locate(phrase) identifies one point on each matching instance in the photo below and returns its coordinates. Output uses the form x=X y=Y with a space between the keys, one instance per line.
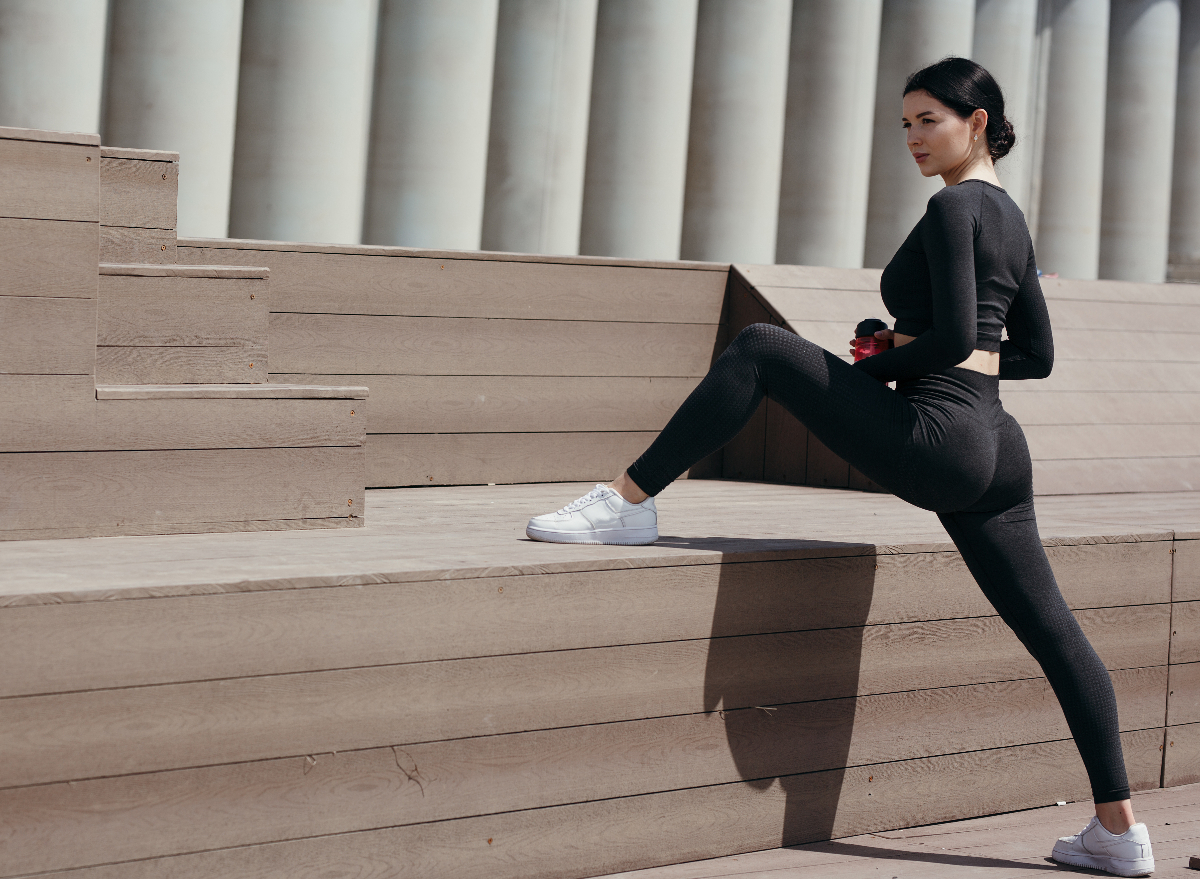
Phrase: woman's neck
x=980 y=168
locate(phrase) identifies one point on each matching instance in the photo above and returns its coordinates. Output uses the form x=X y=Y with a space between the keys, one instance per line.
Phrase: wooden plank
x=676 y=826
x=138 y=193
x=414 y=285
x=39 y=135
x=1082 y=441
x=1139 y=316
x=819 y=277
x=347 y=792
x=119 y=244
x=37 y=410
x=362 y=344
x=743 y=456
x=520 y=404
x=111 y=152
x=1035 y=406
x=1120 y=345
x=43 y=336
x=845 y=307
x=785 y=455
x=1101 y=375
x=121 y=365
x=1099 y=475
x=1119 y=291
x=1182 y=762
x=1185 y=631
x=272 y=391
x=1183 y=704
x=104 y=489
x=1186 y=572
x=191 y=529
x=49 y=181
x=136 y=642
x=145 y=729
x=48 y=258
x=399 y=459
x=824 y=468
x=182 y=312
x=165 y=271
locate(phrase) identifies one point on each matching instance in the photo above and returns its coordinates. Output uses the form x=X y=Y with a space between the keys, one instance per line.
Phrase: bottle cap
x=869 y=327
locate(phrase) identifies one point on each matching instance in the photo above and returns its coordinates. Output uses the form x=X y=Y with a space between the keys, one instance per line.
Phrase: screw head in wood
x=252 y=366
x=350 y=502
x=351 y=411
x=164 y=177
x=164 y=247
x=89 y=158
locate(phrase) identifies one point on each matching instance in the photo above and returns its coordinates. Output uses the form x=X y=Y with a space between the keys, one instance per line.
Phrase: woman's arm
x=948 y=236
x=1028 y=352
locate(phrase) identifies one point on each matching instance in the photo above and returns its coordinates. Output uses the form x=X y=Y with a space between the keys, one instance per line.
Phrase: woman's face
x=939 y=139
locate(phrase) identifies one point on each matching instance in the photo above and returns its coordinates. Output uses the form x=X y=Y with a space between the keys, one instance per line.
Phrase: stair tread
x=109 y=152
x=148 y=270
x=37 y=134
x=265 y=391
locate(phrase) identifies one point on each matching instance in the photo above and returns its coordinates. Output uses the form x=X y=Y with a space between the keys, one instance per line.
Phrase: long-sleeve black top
x=965 y=272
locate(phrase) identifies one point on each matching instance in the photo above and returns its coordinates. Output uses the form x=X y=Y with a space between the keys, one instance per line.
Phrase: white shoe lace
x=595 y=494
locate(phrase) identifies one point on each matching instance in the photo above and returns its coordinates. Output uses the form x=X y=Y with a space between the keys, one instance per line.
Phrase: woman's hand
x=879 y=334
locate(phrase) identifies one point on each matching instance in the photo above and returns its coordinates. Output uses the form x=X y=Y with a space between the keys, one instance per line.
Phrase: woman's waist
x=979 y=360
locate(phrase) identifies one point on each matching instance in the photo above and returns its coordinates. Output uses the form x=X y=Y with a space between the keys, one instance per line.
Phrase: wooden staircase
x=134 y=395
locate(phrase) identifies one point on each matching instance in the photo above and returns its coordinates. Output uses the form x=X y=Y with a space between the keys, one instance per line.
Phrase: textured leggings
x=944 y=443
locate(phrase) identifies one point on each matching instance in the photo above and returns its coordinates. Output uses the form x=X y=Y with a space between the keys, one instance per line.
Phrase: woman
x=940 y=440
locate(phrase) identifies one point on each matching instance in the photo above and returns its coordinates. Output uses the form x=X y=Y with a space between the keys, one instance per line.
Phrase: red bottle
x=865 y=343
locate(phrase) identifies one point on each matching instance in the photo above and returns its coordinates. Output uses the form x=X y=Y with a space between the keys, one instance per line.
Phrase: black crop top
x=965 y=272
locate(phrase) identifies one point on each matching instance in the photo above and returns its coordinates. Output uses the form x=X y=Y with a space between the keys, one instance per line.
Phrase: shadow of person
x=783 y=670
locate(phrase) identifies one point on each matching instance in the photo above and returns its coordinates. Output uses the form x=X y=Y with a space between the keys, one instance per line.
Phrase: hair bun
x=1001 y=140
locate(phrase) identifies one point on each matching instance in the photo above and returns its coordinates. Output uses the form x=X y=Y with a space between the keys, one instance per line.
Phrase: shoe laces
x=595 y=494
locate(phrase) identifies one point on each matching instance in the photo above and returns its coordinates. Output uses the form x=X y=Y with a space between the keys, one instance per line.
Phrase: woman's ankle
x=628 y=489
x=1116 y=817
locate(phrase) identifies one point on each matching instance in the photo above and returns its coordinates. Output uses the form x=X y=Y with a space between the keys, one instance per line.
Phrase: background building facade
x=731 y=130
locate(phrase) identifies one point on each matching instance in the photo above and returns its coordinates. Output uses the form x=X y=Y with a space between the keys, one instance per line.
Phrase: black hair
x=964 y=87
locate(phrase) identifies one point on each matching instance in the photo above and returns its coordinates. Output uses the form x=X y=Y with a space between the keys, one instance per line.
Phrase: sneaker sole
x=1116 y=866
x=624 y=537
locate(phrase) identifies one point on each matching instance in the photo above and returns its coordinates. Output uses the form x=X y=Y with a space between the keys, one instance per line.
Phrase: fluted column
x=172 y=85
x=1005 y=37
x=538 y=141
x=1068 y=234
x=1185 y=195
x=735 y=145
x=1139 y=137
x=913 y=33
x=52 y=63
x=827 y=138
x=429 y=130
x=304 y=102
x=638 y=128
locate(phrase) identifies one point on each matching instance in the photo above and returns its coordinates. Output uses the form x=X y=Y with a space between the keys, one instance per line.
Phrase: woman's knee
x=763 y=340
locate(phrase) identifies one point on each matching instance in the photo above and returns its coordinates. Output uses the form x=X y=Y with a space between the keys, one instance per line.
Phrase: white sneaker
x=600 y=516
x=1125 y=855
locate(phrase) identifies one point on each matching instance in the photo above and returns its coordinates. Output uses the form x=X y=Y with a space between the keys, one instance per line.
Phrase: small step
x=171 y=325
x=139 y=194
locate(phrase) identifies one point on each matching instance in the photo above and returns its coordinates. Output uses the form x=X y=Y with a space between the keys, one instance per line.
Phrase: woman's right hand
x=879 y=334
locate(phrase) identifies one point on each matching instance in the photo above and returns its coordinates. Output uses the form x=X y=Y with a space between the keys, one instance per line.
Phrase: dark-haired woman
x=940 y=440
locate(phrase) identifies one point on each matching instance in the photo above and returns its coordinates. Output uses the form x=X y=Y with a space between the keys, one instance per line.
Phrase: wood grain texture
x=1183 y=704
x=189 y=810
x=135 y=642
x=111 y=152
x=138 y=193
x=50 y=258
x=182 y=312
x=1181 y=764
x=271 y=391
x=1185 y=631
x=1123 y=474
x=820 y=277
x=49 y=181
x=39 y=135
x=1101 y=375
x=1119 y=291
x=400 y=459
x=188 y=271
x=183 y=529
x=146 y=729
x=519 y=404
x=106 y=489
x=1094 y=408
x=1187 y=570
x=362 y=344
x=676 y=826
x=119 y=244
x=1052 y=442
x=44 y=336
x=128 y=365
x=414 y=285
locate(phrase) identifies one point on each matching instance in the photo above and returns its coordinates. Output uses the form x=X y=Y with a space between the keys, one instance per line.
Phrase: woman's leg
x=855 y=415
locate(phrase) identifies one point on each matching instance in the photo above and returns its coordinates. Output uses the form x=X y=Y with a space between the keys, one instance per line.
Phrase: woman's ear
x=979 y=121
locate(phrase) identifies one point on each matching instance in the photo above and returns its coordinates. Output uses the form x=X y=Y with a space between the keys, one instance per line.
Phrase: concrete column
x=827 y=139
x=538 y=142
x=913 y=33
x=1068 y=234
x=1185 y=195
x=172 y=85
x=638 y=128
x=1005 y=37
x=52 y=63
x=429 y=130
x=304 y=103
x=1143 y=49
x=735 y=145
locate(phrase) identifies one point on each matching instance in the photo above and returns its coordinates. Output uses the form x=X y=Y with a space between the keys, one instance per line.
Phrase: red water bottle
x=865 y=342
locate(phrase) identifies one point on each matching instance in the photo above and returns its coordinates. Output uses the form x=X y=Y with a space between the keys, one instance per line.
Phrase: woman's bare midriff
x=987 y=362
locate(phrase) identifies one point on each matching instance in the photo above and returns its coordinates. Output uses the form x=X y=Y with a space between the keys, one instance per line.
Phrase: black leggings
x=943 y=443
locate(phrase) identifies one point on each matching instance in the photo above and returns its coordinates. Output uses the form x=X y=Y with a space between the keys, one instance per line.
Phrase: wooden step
x=160 y=324
x=139 y=193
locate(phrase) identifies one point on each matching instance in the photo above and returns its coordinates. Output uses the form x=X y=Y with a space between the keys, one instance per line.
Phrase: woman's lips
x=920 y=157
